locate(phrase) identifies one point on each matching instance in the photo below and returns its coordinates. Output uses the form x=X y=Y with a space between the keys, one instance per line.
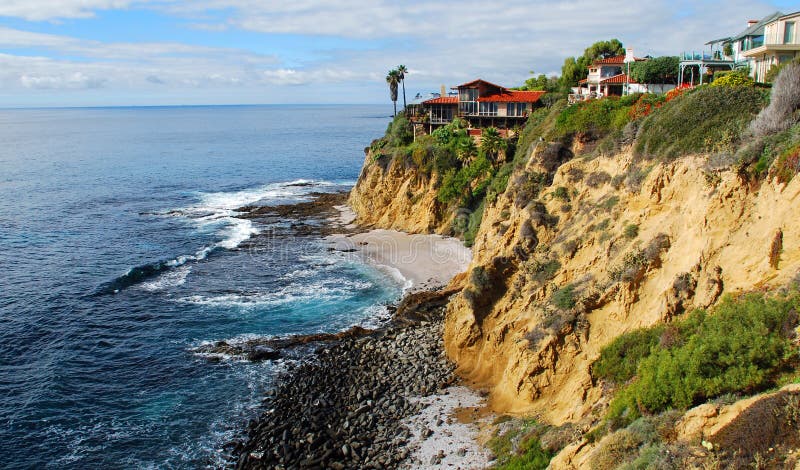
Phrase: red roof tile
x=513 y=97
x=474 y=82
x=580 y=82
x=442 y=100
x=617 y=79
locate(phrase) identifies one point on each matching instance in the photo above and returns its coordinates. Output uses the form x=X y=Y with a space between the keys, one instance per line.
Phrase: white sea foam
x=173 y=278
x=321 y=291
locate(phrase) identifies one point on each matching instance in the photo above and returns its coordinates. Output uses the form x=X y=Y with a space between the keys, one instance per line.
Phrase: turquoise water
x=119 y=254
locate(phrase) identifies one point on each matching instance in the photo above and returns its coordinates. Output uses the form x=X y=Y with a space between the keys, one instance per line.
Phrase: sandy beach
x=420 y=261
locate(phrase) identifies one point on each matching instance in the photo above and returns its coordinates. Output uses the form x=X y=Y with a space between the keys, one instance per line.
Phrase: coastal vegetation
x=741 y=346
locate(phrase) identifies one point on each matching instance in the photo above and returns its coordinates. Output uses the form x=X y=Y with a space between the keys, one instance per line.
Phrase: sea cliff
x=599 y=232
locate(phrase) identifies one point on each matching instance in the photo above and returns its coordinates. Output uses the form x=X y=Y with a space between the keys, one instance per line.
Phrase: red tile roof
x=475 y=82
x=580 y=82
x=513 y=97
x=442 y=100
x=616 y=60
x=616 y=79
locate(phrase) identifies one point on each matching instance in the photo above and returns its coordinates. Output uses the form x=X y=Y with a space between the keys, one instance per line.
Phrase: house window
x=788 y=32
x=516 y=109
x=468 y=101
x=488 y=109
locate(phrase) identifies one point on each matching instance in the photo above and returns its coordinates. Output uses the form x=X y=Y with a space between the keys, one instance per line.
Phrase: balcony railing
x=716 y=55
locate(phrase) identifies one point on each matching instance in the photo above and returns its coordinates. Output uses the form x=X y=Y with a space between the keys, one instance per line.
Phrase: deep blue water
x=96 y=367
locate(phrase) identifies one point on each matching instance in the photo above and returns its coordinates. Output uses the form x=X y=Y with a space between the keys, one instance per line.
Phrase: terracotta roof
x=617 y=79
x=582 y=81
x=468 y=84
x=442 y=100
x=513 y=97
x=620 y=59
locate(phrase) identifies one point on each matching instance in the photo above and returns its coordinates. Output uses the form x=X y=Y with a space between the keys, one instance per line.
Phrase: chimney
x=444 y=91
x=751 y=22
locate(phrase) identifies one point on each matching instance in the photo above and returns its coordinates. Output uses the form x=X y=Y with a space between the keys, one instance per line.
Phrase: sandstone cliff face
x=630 y=256
x=571 y=256
x=390 y=195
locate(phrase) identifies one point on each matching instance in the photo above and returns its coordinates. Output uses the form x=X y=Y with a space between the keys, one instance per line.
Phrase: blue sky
x=163 y=52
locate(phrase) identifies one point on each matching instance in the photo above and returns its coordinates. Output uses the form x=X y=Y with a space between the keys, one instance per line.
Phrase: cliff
x=630 y=256
x=582 y=246
x=393 y=195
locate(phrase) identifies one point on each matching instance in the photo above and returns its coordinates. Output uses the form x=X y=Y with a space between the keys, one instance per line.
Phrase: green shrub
x=399 y=133
x=541 y=271
x=564 y=298
x=530 y=456
x=708 y=119
x=519 y=446
x=593 y=118
x=631 y=231
x=499 y=182
x=619 y=360
x=740 y=348
x=473 y=225
x=561 y=193
x=537 y=126
x=608 y=203
x=732 y=79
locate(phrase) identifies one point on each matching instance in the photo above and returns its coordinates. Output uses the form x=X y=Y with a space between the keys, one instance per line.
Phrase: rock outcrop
x=392 y=194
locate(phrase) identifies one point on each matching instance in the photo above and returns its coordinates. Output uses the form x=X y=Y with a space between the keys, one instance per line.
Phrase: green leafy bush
x=399 y=133
x=710 y=119
x=564 y=298
x=732 y=79
x=531 y=456
x=619 y=360
x=741 y=347
x=631 y=231
x=593 y=118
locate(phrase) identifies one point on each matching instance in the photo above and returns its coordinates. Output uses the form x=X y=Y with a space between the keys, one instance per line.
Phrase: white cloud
x=441 y=41
x=39 y=10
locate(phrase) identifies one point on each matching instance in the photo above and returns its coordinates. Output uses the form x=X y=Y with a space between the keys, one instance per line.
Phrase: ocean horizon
x=122 y=252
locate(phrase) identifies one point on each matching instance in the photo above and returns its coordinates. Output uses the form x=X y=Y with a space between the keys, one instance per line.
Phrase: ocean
x=120 y=252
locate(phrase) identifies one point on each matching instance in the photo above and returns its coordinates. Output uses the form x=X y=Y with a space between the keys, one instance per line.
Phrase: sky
x=176 y=52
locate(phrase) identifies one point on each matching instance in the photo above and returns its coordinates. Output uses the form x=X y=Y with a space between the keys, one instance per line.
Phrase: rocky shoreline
x=343 y=408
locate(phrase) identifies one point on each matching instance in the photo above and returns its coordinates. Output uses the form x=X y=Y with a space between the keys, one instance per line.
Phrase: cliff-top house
x=766 y=42
x=607 y=77
x=780 y=44
x=481 y=104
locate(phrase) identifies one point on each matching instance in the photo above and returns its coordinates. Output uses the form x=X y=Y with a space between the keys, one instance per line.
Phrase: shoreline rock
x=344 y=407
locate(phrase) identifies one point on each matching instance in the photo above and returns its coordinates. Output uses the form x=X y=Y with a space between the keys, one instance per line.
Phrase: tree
x=465 y=149
x=540 y=83
x=492 y=143
x=393 y=79
x=658 y=70
x=576 y=69
x=402 y=71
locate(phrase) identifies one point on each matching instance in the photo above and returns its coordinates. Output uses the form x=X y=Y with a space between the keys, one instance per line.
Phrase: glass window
x=788 y=32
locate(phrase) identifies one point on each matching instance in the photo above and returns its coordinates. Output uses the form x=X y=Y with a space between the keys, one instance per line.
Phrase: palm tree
x=402 y=71
x=393 y=79
x=492 y=143
x=465 y=149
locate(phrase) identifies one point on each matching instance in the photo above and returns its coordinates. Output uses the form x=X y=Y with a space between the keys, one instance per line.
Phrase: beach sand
x=445 y=433
x=421 y=261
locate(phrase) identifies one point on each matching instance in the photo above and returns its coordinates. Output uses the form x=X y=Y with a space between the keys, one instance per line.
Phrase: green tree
x=577 y=68
x=658 y=70
x=402 y=71
x=466 y=149
x=393 y=79
x=540 y=82
x=492 y=143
